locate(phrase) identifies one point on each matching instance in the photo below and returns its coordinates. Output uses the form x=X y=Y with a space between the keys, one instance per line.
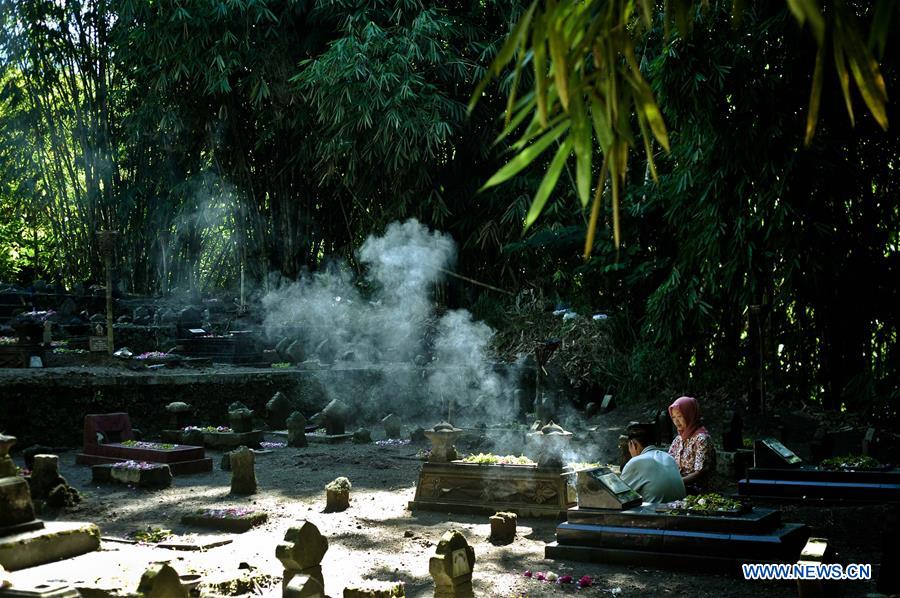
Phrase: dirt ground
x=378 y=538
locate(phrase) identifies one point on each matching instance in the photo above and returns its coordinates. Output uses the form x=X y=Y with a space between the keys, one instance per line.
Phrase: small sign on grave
x=98 y=344
x=600 y=488
x=460 y=562
x=768 y=452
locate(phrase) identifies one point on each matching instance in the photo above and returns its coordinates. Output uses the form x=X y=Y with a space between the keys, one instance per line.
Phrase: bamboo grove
x=268 y=136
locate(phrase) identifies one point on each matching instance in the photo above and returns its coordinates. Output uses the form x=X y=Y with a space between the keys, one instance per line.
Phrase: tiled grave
x=108 y=439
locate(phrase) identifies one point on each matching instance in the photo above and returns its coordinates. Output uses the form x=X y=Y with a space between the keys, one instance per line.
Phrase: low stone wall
x=48 y=406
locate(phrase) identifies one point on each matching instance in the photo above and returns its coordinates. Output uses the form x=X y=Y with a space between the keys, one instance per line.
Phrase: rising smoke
x=384 y=327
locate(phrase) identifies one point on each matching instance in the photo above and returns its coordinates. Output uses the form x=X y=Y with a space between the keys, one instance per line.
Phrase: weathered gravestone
x=337 y=495
x=301 y=553
x=46 y=482
x=241 y=420
x=243 y=475
x=392 y=425
x=451 y=568
x=161 y=581
x=26 y=541
x=179 y=412
x=278 y=409
x=333 y=417
x=503 y=527
x=296 y=427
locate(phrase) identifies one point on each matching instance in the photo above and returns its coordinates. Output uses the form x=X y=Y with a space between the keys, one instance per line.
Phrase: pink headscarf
x=690 y=410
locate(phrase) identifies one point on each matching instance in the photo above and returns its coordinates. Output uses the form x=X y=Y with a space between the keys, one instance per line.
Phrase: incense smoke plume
x=383 y=328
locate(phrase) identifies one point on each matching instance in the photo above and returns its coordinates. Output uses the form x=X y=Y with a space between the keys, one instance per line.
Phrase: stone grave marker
x=503 y=527
x=303 y=586
x=179 y=412
x=392 y=425
x=296 y=427
x=816 y=551
x=337 y=495
x=26 y=541
x=451 y=568
x=278 y=409
x=301 y=553
x=161 y=581
x=334 y=416
x=47 y=483
x=243 y=474
x=44 y=475
x=607 y=404
x=241 y=420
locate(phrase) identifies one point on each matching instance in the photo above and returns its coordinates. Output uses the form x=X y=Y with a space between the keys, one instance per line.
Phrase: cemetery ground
x=377 y=537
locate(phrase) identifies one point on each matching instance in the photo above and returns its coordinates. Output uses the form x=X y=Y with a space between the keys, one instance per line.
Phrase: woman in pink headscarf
x=692 y=448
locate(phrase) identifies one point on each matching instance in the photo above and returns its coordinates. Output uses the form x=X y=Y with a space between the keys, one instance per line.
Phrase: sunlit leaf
x=526 y=156
x=809 y=10
x=548 y=182
x=815 y=96
x=840 y=64
x=595 y=211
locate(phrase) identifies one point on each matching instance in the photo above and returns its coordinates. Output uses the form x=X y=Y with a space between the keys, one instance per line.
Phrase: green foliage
x=850 y=462
x=588 y=81
x=490 y=459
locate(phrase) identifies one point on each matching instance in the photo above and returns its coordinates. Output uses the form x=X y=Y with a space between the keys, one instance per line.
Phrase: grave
x=781 y=475
x=243 y=474
x=224 y=439
x=610 y=525
x=451 y=485
x=108 y=439
x=451 y=568
x=301 y=553
x=296 y=429
x=228 y=519
x=26 y=541
x=238 y=348
x=334 y=419
x=133 y=473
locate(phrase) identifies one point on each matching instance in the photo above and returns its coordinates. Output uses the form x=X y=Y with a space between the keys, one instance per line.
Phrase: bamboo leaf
x=602 y=126
x=840 y=64
x=808 y=10
x=539 y=46
x=881 y=24
x=815 y=96
x=595 y=211
x=511 y=100
x=581 y=136
x=646 y=103
x=647 y=7
x=525 y=157
x=648 y=149
x=522 y=110
x=549 y=182
x=516 y=37
x=558 y=56
x=866 y=74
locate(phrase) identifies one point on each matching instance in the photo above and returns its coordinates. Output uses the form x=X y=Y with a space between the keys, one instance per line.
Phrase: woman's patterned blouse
x=692 y=454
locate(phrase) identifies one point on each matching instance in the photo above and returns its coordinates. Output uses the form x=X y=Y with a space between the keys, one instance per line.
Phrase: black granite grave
x=665 y=536
x=780 y=474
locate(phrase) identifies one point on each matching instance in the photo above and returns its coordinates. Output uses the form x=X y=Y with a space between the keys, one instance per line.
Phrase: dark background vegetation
x=274 y=135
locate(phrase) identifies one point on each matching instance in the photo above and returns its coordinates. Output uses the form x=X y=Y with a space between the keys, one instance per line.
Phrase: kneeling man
x=651 y=472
